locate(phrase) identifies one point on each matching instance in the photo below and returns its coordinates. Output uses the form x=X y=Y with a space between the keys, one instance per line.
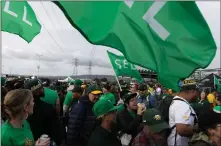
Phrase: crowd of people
x=107 y=114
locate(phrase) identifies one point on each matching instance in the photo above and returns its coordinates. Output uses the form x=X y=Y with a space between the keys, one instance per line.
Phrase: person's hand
x=141 y=109
x=45 y=142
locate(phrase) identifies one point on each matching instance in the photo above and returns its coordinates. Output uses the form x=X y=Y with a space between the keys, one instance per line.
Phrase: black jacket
x=81 y=123
x=101 y=137
x=44 y=121
x=127 y=124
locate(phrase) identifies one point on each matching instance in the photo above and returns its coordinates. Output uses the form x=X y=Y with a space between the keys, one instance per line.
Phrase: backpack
x=164 y=106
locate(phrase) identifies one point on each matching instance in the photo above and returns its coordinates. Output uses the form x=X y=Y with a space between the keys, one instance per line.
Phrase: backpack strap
x=192 y=114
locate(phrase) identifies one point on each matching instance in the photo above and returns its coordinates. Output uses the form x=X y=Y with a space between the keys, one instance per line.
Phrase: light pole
x=38 y=66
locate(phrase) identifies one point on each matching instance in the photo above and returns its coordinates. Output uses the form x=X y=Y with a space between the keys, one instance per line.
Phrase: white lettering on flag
x=129 y=3
x=25 y=17
x=149 y=18
x=154 y=24
x=6 y=9
x=117 y=62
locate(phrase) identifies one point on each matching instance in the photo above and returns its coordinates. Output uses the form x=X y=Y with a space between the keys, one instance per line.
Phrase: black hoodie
x=44 y=121
x=81 y=123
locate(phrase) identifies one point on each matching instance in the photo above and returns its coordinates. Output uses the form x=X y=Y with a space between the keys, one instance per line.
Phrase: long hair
x=15 y=101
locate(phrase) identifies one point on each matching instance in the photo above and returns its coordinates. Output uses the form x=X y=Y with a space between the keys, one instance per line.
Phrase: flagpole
x=115 y=74
x=118 y=82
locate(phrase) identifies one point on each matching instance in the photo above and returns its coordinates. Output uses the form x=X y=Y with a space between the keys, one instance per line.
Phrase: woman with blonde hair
x=18 y=105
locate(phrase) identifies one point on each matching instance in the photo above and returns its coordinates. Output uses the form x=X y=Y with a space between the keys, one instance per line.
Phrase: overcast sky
x=19 y=57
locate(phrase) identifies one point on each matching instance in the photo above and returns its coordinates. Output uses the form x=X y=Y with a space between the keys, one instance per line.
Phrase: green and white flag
x=171 y=38
x=217 y=83
x=19 y=18
x=124 y=68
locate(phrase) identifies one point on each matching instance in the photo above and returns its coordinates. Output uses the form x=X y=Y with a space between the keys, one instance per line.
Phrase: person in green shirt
x=108 y=95
x=72 y=98
x=18 y=104
x=67 y=101
x=51 y=96
x=68 y=98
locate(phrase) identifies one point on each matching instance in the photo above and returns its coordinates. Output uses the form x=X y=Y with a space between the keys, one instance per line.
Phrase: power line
x=49 y=34
x=56 y=14
x=51 y=20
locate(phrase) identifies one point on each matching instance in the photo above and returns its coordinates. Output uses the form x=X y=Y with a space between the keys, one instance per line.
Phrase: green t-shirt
x=133 y=114
x=68 y=99
x=51 y=96
x=11 y=136
x=109 y=96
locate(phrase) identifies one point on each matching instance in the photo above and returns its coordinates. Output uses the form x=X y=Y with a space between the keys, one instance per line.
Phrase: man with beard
x=44 y=119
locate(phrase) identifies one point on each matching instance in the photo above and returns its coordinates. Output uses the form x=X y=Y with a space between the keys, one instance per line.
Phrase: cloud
x=60 y=43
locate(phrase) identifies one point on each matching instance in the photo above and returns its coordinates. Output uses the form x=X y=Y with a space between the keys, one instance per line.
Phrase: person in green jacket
x=18 y=105
x=202 y=105
x=108 y=95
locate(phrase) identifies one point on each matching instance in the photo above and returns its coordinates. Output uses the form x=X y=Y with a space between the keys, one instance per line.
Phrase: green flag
x=124 y=68
x=19 y=18
x=170 y=38
x=217 y=83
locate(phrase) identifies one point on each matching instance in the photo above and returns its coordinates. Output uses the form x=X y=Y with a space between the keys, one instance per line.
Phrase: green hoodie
x=201 y=139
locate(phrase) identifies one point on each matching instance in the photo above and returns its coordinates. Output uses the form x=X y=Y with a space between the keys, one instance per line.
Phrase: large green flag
x=170 y=38
x=124 y=68
x=217 y=83
x=19 y=18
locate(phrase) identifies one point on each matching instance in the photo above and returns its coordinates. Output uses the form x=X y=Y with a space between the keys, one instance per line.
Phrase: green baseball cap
x=103 y=106
x=217 y=109
x=94 y=89
x=78 y=82
x=154 y=120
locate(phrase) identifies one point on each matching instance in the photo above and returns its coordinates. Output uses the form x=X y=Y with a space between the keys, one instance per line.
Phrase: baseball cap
x=103 y=106
x=188 y=84
x=217 y=109
x=94 y=89
x=154 y=120
x=128 y=96
x=209 y=119
x=142 y=87
x=33 y=84
x=78 y=82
